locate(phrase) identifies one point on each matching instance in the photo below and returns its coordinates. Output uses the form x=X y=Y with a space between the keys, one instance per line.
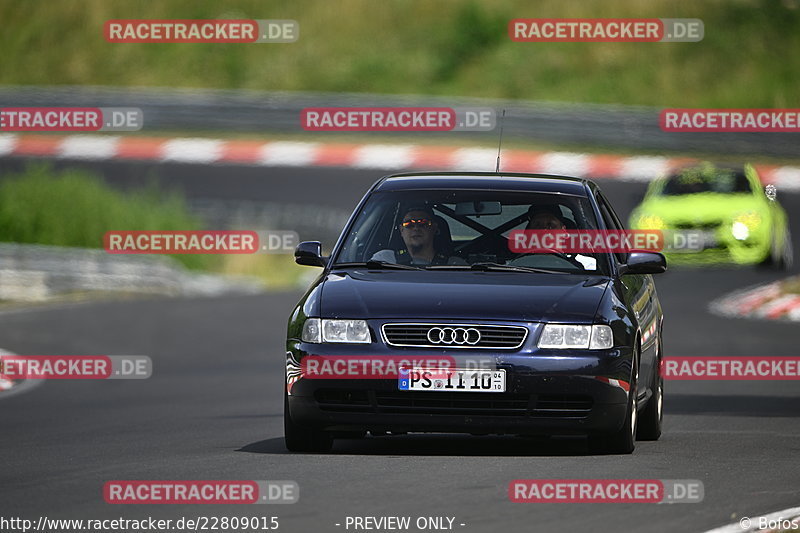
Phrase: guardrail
x=603 y=126
x=33 y=272
x=310 y=221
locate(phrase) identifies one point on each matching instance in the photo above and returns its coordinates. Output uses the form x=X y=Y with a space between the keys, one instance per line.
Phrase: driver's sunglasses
x=417 y=223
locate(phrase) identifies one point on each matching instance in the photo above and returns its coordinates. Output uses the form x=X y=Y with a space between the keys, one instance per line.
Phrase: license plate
x=452 y=380
x=692 y=241
x=709 y=239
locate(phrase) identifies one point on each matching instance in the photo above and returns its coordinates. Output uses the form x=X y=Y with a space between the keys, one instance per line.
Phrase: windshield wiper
x=513 y=268
x=488 y=266
x=377 y=265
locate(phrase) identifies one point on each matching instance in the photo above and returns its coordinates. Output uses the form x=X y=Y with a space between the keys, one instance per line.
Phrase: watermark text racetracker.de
x=226 y=31
x=77 y=119
x=605 y=241
x=398 y=119
x=730 y=120
x=76 y=367
x=606 y=30
x=386 y=366
x=606 y=491
x=200 y=242
x=200 y=492
x=730 y=368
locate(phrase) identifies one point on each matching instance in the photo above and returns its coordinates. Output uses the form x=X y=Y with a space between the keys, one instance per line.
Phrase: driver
x=418 y=229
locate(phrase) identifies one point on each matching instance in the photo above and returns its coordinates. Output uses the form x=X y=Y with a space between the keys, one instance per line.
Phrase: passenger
x=545 y=218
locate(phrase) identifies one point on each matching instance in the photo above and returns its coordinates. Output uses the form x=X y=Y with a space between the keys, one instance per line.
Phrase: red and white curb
x=766 y=302
x=364 y=156
x=6 y=383
x=12 y=387
x=774 y=522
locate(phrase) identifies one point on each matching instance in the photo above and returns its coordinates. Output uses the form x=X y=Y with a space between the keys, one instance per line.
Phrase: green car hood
x=701 y=207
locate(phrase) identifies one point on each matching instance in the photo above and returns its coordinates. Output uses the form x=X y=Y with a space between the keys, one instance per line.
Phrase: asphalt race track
x=213 y=410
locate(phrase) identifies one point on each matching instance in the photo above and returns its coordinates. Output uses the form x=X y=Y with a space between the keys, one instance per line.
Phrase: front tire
x=787 y=255
x=651 y=418
x=780 y=257
x=299 y=438
x=623 y=441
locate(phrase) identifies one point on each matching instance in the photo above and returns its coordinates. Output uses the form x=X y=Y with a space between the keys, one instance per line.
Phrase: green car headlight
x=743 y=225
x=651 y=222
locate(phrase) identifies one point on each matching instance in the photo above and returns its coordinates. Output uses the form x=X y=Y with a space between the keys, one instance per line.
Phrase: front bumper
x=724 y=249
x=572 y=392
x=729 y=253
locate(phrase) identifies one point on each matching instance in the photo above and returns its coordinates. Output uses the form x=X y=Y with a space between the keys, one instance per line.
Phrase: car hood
x=461 y=295
x=702 y=207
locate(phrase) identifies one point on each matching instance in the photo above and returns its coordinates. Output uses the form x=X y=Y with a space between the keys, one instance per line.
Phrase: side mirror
x=645 y=263
x=771 y=192
x=309 y=253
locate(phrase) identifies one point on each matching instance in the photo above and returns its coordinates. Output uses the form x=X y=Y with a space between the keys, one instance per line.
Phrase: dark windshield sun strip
x=376 y=265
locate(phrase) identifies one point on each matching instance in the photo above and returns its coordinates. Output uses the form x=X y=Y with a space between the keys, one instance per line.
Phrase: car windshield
x=466 y=229
x=694 y=181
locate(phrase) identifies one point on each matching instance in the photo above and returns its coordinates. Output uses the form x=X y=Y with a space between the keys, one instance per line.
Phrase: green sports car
x=730 y=218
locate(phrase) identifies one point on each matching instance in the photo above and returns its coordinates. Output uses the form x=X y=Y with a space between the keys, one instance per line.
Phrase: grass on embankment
x=76 y=208
x=747 y=59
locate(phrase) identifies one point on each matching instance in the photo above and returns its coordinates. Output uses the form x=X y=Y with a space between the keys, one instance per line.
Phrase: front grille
x=455 y=335
x=455 y=403
x=562 y=406
x=712 y=225
x=344 y=400
x=452 y=403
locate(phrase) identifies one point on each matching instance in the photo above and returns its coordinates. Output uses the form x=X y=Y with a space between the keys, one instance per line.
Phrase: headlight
x=740 y=231
x=312 y=331
x=596 y=337
x=743 y=224
x=317 y=330
x=651 y=222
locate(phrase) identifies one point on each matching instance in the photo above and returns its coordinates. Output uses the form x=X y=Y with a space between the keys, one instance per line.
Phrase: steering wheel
x=560 y=255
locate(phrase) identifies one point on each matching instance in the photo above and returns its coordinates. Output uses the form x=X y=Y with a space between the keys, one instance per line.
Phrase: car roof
x=504 y=181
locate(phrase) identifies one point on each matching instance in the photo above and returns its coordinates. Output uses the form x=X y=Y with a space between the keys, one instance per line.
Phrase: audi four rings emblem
x=469 y=336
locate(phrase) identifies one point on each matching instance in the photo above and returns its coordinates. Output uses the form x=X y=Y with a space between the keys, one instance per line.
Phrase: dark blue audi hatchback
x=426 y=318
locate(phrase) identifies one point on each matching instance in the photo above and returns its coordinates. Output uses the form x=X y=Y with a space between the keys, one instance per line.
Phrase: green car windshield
x=694 y=182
